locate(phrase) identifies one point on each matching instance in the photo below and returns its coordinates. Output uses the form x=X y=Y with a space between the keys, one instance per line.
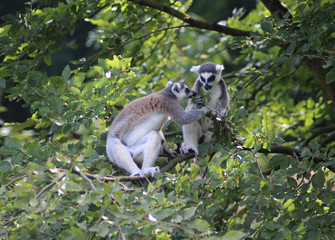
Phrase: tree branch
x=318 y=132
x=77 y=170
x=280 y=149
x=147 y=35
x=14 y=180
x=327 y=140
x=122 y=235
x=320 y=73
x=173 y=162
x=190 y=20
x=166 y=168
x=49 y=186
x=276 y=8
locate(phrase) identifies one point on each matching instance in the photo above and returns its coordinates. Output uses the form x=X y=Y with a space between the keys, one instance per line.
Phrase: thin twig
x=178 y=226
x=259 y=167
x=147 y=35
x=8 y=223
x=123 y=237
x=49 y=186
x=77 y=170
x=173 y=133
x=14 y=180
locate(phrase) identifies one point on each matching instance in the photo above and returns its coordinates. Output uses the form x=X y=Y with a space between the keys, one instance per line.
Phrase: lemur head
x=208 y=73
x=180 y=91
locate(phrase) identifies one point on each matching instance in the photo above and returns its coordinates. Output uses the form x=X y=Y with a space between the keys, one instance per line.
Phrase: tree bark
x=190 y=20
x=276 y=8
x=320 y=73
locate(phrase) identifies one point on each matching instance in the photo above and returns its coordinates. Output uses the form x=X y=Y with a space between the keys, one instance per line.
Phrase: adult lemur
x=135 y=134
x=218 y=100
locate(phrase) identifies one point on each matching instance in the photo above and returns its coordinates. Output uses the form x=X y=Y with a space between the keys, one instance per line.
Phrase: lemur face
x=182 y=92
x=207 y=79
x=209 y=73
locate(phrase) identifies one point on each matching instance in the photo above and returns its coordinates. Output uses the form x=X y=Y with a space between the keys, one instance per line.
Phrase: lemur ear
x=195 y=68
x=219 y=68
x=169 y=83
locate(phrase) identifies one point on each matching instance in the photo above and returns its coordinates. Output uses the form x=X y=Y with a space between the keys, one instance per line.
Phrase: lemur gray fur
x=209 y=78
x=135 y=134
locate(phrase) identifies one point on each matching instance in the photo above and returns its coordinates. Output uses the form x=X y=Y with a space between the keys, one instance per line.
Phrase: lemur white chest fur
x=214 y=93
x=152 y=122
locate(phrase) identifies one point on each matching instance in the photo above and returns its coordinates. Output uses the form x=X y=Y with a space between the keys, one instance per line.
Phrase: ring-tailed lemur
x=135 y=134
x=216 y=98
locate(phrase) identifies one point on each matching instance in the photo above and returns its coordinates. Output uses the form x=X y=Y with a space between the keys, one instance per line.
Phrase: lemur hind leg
x=165 y=147
x=120 y=155
x=147 y=151
x=191 y=134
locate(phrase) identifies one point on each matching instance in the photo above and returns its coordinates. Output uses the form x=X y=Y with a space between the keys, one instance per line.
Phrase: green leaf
x=330 y=76
x=288 y=204
x=267 y=27
x=57 y=81
x=291 y=48
x=47 y=59
x=66 y=73
x=13 y=143
x=233 y=235
x=318 y=179
x=72 y=234
x=189 y=212
x=314 y=234
x=99 y=70
x=101 y=229
x=163 y=236
x=161 y=214
x=292 y=182
x=200 y=225
x=281 y=60
x=271 y=225
x=78 y=79
x=4 y=166
x=2 y=83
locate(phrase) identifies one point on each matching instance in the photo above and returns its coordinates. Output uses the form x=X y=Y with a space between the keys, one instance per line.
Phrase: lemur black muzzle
x=207 y=87
x=192 y=94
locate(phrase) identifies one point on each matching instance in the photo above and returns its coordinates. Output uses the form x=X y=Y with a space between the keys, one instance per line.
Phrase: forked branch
x=190 y=20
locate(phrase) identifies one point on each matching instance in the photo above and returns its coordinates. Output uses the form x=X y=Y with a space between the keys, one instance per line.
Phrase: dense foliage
x=272 y=175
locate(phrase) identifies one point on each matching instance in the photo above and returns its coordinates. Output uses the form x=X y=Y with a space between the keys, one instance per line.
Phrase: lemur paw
x=151 y=170
x=219 y=114
x=173 y=154
x=139 y=172
x=189 y=149
x=170 y=152
x=207 y=110
x=142 y=173
x=190 y=107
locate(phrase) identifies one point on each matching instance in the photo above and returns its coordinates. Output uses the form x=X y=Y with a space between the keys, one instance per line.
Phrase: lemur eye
x=202 y=79
x=211 y=78
x=187 y=90
x=176 y=89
